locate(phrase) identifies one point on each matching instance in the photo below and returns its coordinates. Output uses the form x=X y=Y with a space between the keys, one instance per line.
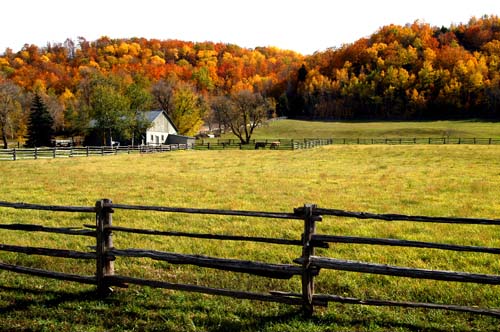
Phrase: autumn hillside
x=414 y=71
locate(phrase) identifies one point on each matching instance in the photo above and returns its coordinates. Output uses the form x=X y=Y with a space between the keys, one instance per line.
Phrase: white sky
x=304 y=26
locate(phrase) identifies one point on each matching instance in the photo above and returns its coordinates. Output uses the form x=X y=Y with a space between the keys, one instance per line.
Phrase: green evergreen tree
x=40 y=124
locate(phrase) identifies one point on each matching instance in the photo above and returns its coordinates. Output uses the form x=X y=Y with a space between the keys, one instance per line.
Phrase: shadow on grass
x=371 y=322
x=156 y=311
x=23 y=299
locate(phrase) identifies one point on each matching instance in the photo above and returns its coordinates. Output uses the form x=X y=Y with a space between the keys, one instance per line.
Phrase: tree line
x=414 y=71
x=407 y=72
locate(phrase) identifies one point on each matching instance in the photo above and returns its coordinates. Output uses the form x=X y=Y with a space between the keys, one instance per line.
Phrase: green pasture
x=459 y=180
x=297 y=129
x=442 y=180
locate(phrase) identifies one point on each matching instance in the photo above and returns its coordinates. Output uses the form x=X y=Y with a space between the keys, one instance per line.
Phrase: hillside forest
x=409 y=72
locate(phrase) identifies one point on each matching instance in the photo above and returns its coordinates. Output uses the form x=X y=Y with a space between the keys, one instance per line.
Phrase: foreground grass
x=424 y=180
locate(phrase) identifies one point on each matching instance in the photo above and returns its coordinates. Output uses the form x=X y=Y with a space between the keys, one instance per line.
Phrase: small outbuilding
x=180 y=139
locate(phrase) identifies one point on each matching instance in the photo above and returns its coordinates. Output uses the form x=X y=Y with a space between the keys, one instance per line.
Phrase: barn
x=161 y=131
x=161 y=127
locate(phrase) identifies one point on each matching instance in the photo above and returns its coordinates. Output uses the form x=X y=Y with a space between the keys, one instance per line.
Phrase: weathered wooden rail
x=87 y=151
x=307 y=267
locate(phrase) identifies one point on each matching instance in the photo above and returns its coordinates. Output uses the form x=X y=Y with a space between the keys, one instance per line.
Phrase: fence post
x=104 y=242
x=35 y=153
x=308 y=251
x=14 y=155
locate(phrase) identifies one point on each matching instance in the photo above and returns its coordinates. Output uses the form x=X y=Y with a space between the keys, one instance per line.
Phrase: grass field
x=424 y=180
x=315 y=129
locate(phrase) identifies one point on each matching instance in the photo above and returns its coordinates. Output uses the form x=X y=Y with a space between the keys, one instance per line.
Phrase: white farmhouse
x=161 y=131
x=161 y=127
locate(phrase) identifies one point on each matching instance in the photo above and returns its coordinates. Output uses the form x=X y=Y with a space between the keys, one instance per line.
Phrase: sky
x=304 y=26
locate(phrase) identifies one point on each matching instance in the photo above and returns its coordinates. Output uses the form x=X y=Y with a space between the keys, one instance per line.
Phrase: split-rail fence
x=306 y=267
x=85 y=151
x=307 y=143
x=228 y=144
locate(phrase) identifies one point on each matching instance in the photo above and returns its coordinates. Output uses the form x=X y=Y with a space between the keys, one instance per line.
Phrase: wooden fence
x=69 y=152
x=306 y=267
x=226 y=144
x=307 y=143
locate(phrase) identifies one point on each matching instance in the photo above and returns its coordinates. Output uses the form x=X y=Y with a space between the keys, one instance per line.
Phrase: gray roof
x=152 y=115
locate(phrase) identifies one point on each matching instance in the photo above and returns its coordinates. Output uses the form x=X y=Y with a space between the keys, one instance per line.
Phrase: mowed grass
x=425 y=180
x=297 y=129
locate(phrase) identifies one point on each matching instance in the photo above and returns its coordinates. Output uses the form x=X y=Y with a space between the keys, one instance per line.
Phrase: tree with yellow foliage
x=8 y=106
x=188 y=110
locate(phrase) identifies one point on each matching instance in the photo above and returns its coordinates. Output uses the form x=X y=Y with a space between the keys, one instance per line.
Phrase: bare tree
x=219 y=106
x=56 y=111
x=245 y=112
x=163 y=92
x=9 y=92
x=69 y=44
